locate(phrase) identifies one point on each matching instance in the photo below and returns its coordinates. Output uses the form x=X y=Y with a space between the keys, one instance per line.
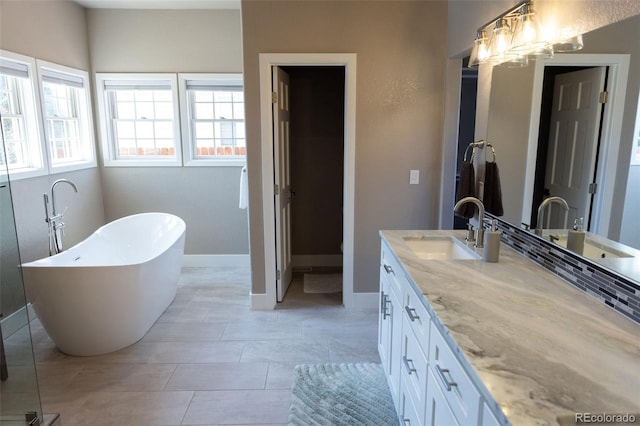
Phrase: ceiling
x=160 y=4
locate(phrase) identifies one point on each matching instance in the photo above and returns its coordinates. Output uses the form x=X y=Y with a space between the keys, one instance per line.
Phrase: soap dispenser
x=575 y=237
x=492 y=243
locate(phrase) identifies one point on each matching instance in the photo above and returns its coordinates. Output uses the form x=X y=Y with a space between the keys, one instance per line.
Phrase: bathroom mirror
x=519 y=127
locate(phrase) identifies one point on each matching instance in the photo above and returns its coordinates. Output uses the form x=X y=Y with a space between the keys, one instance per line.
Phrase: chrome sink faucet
x=479 y=238
x=54 y=220
x=547 y=201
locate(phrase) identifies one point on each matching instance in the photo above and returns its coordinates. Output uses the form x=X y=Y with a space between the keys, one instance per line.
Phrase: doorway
x=270 y=157
x=316 y=155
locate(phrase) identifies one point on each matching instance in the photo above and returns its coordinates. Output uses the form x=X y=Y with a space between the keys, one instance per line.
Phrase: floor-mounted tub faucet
x=54 y=220
x=479 y=238
x=543 y=205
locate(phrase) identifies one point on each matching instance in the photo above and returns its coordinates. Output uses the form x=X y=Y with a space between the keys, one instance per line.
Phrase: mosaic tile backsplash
x=612 y=289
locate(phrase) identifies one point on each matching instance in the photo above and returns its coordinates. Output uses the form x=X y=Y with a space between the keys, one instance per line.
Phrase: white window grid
x=213 y=121
x=13 y=124
x=217 y=122
x=66 y=116
x=142 y=122
x=139 y=119
x=20 y=118
x=63 y=122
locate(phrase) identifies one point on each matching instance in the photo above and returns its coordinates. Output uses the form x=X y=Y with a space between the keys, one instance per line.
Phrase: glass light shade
x=570 y=44
x=527 y=34
x=480 y=50
x=501 y=40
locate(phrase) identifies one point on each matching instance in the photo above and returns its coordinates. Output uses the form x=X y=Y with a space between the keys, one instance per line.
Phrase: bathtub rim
x=50 y=261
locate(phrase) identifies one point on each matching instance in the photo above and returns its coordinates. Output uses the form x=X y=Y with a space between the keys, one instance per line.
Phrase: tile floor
x=209 y=359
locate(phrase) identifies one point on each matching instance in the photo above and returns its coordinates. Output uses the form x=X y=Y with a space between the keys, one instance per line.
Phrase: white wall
x=56 y=32
x=465 y=16
x=174 y=41
x=400 y=48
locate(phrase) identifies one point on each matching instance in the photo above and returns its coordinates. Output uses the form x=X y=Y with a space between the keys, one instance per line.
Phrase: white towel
x=244 y=189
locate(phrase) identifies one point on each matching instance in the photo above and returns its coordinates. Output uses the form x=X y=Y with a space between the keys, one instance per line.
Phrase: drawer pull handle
x=406 y=421
x=448 y=383
x=389 y=269
x=412 y=313
x=384 y=303
x=409 y=368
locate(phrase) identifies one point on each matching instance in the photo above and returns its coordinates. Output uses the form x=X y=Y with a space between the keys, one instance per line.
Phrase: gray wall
x=510 y=108
x=400 y=49
x=174 y=41
x=56 y=32
x=464 y=18
x=630 y=234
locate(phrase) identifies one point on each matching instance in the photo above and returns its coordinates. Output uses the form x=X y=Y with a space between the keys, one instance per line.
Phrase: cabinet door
x=438 y=411
x=389 y=335
x=384 y=323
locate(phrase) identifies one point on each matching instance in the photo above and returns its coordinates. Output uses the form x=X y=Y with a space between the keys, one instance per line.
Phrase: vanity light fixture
x=516 y=38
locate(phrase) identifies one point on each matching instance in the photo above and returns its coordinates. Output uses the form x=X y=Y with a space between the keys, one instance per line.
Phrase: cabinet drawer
x=390 y=267
x=414 y=367
x=457 y=388
x=416 y=316
x=438 y=411
x=409 y=416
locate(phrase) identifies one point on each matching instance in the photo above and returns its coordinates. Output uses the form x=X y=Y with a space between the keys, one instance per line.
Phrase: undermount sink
x=439 y=248
x=596 y=250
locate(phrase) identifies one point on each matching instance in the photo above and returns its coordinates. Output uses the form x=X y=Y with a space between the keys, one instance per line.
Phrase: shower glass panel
x=19 y=395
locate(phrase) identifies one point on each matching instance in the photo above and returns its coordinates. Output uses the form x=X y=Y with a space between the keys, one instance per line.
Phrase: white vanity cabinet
x=429 y=385
x=392 y=279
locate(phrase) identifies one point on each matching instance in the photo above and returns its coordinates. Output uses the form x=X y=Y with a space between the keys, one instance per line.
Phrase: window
x=213 y=119
x=139 y=118
x=66 y=116
x=22 y=139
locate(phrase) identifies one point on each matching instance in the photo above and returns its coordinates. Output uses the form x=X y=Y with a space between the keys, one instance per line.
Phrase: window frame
x=85 y=117
x=189 y=143
x=30 y=103
x=107 y=142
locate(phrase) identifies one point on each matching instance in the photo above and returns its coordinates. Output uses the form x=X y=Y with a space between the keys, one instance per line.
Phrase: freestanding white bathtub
x=106 y=292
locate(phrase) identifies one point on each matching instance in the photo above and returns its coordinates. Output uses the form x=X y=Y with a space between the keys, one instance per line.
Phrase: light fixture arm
x=510 y=13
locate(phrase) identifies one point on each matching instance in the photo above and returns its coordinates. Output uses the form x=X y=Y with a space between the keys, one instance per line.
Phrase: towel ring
x=493 y=152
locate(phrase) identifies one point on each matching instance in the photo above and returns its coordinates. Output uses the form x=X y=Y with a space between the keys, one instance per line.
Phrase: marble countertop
x=543 y=349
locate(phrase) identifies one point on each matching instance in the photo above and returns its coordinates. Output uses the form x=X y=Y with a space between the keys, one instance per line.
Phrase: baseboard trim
x=365 y=301
x=208 y=260
x=302 y=260
x=261 y=301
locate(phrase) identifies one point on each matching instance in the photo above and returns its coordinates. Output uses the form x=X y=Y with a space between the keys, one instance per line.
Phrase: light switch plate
x=414 y=177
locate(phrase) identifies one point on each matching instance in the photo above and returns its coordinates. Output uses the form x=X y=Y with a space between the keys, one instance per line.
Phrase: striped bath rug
x=341 y=394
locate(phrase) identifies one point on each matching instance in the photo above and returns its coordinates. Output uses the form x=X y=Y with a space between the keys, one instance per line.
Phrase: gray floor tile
x=239 y=407
x=219 y=376
x=205 y=358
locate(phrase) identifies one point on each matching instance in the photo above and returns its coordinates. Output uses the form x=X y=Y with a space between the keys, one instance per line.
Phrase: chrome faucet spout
x=54 y=220
x=480 y=232
x=53 y=194
x=547 y=201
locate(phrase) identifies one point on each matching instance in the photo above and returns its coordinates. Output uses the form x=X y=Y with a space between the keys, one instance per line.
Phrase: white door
x=281 y=114
x=573 y=144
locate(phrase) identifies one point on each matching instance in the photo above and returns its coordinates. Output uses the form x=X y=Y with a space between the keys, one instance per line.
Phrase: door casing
x=266 y=62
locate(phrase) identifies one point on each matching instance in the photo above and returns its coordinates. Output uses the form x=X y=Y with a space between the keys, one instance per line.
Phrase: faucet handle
x=471 y=236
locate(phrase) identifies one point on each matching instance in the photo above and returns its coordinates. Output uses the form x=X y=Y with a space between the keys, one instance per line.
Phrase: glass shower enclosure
x=19 y=394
